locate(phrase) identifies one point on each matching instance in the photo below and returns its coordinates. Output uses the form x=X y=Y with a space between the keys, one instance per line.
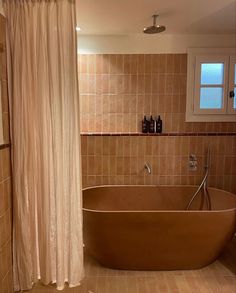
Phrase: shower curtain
x=44 y=107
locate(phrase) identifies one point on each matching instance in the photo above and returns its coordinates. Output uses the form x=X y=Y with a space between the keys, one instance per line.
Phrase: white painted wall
x=149 y=44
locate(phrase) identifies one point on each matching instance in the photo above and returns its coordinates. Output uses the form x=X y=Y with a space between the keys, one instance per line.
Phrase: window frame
x=193 y=112
x=232 y=84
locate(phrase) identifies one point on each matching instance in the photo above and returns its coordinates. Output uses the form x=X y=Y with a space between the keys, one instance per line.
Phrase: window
x=211 y=85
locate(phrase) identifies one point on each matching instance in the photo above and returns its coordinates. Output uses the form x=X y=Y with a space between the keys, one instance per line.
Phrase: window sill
x=190 y=117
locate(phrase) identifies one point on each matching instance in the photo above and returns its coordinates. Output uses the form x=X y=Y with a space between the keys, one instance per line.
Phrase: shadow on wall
x=221 y=23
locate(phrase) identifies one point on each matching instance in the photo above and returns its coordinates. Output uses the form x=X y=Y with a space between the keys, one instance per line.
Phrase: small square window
x=211 y=85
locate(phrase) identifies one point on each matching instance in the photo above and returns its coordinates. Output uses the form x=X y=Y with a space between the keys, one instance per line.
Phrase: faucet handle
x=148 y=167
x=192 y=157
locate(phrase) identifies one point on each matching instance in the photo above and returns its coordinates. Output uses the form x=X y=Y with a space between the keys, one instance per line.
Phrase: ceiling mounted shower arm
x=154 y=28
x=155 y=19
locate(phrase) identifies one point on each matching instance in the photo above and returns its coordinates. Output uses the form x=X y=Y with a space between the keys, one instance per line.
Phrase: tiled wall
x=6 y=285
x=117 y=90
x=3 y=81
x=121 y=159
x=5 y=223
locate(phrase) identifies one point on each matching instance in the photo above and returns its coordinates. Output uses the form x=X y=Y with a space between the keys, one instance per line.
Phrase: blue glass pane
x=212 y=73
x=211 y=98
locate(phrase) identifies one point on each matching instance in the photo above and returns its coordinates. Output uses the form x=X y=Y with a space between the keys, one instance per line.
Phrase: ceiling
x=179 y=16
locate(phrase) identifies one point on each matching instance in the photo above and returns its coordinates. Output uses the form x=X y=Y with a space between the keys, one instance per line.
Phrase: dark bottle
x=152 y=125
x=145 y=125
x=159 y=125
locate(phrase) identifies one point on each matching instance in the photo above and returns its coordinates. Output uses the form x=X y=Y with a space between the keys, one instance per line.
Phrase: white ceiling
x=179 y=16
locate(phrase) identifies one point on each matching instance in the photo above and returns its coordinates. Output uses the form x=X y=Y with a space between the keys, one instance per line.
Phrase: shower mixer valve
x=192 y=162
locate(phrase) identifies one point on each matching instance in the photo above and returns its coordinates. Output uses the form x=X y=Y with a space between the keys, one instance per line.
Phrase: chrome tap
x=148 y=167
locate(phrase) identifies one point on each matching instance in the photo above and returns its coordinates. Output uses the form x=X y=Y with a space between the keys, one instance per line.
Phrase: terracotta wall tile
x=4 y=96
x=6 y=284
x=116 y=91
x=3 y=63
x=5 y=222
x=162 y=63
x=158 y=82
x=123 y=157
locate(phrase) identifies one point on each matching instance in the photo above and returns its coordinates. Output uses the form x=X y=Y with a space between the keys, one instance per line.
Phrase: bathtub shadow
x=228 y=256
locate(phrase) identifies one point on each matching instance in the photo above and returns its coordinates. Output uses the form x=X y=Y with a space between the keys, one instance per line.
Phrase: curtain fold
x=46 y=163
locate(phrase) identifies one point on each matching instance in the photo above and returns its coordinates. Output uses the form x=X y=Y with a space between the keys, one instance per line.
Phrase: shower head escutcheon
x=155 y=28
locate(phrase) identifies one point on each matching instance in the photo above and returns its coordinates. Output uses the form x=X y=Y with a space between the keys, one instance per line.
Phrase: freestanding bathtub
x=148 y=228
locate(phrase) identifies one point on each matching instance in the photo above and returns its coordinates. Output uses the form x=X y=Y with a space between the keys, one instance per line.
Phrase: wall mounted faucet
x=148 y=167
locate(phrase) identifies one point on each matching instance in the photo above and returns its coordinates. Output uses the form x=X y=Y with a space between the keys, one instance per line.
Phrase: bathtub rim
x=157 y=211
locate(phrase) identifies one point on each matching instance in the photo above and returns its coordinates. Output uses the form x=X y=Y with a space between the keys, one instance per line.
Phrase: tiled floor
x=219 y=277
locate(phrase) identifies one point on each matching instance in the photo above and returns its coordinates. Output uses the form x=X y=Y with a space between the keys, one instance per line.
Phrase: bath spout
x=148 y=167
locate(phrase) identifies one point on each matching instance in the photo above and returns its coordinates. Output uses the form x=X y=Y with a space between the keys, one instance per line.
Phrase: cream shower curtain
x=44 y=108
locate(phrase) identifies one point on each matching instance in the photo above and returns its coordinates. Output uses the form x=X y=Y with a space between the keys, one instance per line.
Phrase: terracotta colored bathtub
x=148 y=228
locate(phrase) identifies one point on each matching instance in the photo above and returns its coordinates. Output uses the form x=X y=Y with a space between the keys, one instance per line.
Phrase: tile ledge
x=159 y=134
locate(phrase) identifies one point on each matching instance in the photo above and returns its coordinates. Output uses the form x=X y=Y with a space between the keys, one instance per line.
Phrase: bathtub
x=148 y=228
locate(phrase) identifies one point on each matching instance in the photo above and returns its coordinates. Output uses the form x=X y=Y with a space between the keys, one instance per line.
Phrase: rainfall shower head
x=155 y=28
